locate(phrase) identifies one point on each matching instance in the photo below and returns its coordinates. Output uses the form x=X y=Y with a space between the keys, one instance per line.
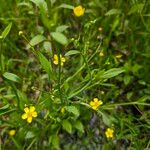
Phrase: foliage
x=97 y=94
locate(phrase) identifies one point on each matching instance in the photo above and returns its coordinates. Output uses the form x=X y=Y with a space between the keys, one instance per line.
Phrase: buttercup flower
x=20 y=33
x=101 y=54
x=79 y=11
x=12 y=132
x=119 y=56
x=29 y=113
x=62 y=110
x=109 y=133
x=95 y=103
x=100 y=29
x=56 y=60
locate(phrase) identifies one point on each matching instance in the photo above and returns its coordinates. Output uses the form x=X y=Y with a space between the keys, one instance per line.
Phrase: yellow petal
x=94 y=107
x=55 y=57
x=95 y=99
x=34 y=114
x=24 y=116
x=29 y=119
x=55 y=62
x=62 y=63
x=100 y=102
x=63 y=59
x=32 y=108
x=26 y=110
x=92 y=103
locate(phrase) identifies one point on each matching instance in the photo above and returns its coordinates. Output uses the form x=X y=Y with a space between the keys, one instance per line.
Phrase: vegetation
x=74 y=75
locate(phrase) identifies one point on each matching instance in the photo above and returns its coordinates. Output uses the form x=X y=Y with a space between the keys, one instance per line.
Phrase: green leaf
x=4 y=107
x=59 y=37
x=113 y=12
x=144 y=98
x=67 y=126
x=79 y=126
x=11 y=77
x=112 y=72
x=40 y=3
x=6 y=111
x=72 y=52
x=46 y=65
x=61 y=28
x=72 y=109
x=29 y=135
x=36 y=40
x=47 y=46
x=127 y=79
x=106 y=119
x=6 y=31
x=66 y=6
x=54 y=139
x=23 y=99
x=136 y=8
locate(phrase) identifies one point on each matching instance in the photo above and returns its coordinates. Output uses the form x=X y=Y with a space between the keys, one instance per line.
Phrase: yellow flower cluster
x=109 y=133
x=56 y=60
x=29 y=113
x=79 y=11
x=95 y=103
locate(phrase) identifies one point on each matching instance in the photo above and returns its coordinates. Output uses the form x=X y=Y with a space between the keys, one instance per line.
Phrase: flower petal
x=55 y=57
x=95 y=99
x=29 y=119
x=63 y=59
x=100 y=102
x=62 y=63
x=26 y=110
x=55 y=62
x=32 y=109
x=92 y=103
x=24 y=116
x=34 y=114
x=94 y=107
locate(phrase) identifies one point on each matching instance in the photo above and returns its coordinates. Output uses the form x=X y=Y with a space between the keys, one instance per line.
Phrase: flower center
x=29 y=114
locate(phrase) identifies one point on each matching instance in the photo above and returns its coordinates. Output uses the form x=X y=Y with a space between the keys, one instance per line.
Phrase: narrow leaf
x=36 y=40
x=11 y=77
x=61 y=28
x=113 y=12
x=112 y=72
x=46 y=65
x=6 y=31
x=72 y=52
x=59 y=37
x=66 y=6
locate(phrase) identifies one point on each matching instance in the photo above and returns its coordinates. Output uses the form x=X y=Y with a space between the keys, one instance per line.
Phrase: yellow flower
x=102 y=92
x=62 y=110
x=56 y=60
x=29 y=113
x=119 y=56
x=20 y=33
x=101 y=54
x=12 y=132
x=100 y=29
x=79 y=11
x=109 y=133
x=95 y=103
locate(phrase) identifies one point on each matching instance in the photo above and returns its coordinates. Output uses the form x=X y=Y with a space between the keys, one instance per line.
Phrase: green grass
x=106 y=52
